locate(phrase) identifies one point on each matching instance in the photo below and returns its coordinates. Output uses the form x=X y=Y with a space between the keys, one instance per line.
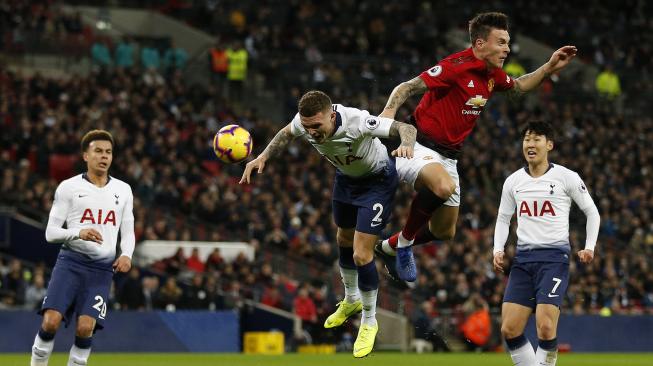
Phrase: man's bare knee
x=363 y=257
x=447 y=188
x=443 y=188
x=85 y=329
x=545 y=329
x=51 y=322
x=509 y=331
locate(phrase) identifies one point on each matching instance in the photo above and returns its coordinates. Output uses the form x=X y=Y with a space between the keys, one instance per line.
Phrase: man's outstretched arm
x=402 y=92
x=559 y=60
x=275 y=147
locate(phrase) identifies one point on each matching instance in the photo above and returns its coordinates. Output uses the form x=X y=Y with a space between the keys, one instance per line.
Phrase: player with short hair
x=455 y=93
x=94 y=206
x=363 y=193
x=541 y=195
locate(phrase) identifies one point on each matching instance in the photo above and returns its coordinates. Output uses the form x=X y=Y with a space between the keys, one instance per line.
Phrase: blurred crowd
x=164 y=127
x=373 y=47
x=41 y=27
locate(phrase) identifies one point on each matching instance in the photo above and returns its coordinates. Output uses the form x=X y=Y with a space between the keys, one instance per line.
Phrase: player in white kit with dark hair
x=95 y=207
x=363 y=193
x=540 y=194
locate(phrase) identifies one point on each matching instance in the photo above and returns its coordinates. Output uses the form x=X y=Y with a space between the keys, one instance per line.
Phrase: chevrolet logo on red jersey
x=476 y=102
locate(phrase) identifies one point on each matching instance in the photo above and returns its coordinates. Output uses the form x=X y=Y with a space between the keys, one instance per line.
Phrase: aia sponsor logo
x=534 y=209
x=98 y=218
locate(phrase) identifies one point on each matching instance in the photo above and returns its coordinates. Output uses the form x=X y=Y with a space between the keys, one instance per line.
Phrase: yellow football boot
x=344 y=311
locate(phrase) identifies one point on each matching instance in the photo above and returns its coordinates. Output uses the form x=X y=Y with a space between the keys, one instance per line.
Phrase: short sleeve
x=503 y=81
x=439 y=77
x=369 y=125
x=296 y=128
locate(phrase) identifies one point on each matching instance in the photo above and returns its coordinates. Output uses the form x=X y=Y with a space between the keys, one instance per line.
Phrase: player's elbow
x=591 y=213
x=403 y=88
x=50 y=237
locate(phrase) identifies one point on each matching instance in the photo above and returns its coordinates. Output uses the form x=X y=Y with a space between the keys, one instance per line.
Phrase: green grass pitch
x=375 y=359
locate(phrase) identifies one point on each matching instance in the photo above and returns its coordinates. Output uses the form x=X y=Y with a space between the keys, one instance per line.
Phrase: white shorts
x=408 y=169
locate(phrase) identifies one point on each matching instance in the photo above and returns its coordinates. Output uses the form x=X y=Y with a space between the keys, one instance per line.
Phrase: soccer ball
x=232 y=144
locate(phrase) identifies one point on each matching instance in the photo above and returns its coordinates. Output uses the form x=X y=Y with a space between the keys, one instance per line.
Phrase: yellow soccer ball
x=232 y=144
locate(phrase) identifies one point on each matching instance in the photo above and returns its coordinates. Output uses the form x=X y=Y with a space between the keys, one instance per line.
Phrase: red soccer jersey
x=459 y=86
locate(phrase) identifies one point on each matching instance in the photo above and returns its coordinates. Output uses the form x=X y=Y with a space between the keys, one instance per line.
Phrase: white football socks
x=78 y=356
x=350 y=282
x=523 y=356
x=369 y=307
x=41 y=351
x=403 y=242
x=545 y=357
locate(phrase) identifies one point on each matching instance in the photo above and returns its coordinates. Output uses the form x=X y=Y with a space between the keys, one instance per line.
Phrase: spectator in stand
x=174 y=58
x=175 y=264
x=305 y=309
x=35 y=292
x=100 y=54
x=608 y=84
x=131 y=295
x=237 y=71
x=169 y=295
x=14 y=284
x=513 y=67
x=233 y=299
x=477 y=327
x=272 y=297
x=125 y=53
x=150 y=292
x=195 y=296
x=73 y=24
x=219 y=65
x=423 y=328
x=194 y=262
x=150 y=57
x=215 y=261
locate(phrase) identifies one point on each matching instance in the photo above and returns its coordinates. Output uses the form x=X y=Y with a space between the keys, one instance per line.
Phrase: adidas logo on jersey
x=471 y=84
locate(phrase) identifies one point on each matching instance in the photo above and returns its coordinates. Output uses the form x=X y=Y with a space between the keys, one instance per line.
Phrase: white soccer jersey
x=354 y=147
x=83 y=205
x=542 y=206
